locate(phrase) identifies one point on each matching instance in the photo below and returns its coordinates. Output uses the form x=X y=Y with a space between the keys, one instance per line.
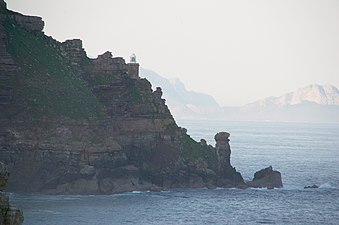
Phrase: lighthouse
x=133 y=67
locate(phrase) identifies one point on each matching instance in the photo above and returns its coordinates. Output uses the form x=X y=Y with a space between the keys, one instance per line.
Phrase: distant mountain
x=314 y=103
x=320 y=94
x=183 y=104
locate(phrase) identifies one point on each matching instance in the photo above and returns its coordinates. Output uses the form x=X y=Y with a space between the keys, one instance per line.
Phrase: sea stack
x=225 y=170
x=223 y=148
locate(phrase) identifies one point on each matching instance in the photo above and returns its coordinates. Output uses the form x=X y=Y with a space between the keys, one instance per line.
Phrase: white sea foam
x=292 y=187
x=327 y=185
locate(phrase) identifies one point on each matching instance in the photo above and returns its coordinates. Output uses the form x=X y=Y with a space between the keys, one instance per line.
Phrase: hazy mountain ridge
x=313 y=103
x=320 y=94
x=183 y=103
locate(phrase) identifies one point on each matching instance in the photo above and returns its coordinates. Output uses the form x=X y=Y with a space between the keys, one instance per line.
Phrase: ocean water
x=305 y=154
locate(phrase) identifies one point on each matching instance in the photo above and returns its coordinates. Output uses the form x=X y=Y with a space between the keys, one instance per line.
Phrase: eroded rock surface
x=266 y=178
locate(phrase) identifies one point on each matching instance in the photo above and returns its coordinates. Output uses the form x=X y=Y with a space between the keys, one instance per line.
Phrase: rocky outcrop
x=79 y=125
x=223 y=148
x=30 y=23
x=266 y=178
x=73 y=51
x=3 y=6
x=223 y=151
x=8 y=215
x=106 y=65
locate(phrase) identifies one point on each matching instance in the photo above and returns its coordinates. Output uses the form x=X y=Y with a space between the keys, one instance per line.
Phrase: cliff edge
x=75 y=125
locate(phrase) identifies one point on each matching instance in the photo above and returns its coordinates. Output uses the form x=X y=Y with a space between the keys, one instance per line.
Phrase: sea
x=304 y=153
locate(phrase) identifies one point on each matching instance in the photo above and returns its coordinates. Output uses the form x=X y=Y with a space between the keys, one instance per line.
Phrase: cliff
x=8 y=215
x=75 y=125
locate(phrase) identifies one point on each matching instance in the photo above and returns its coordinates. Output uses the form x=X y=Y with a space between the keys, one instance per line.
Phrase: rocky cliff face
x=75 y=125
x=8 y=215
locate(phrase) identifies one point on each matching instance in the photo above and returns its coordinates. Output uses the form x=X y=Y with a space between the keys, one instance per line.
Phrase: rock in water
x=266 y=178
x=313 y=186
x=8 y=215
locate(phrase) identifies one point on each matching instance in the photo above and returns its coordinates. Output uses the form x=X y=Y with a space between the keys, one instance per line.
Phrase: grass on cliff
x=193 y=151
x=47 y=85
x=100 y=79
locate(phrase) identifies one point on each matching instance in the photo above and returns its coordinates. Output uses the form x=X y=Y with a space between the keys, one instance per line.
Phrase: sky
x=235 y=50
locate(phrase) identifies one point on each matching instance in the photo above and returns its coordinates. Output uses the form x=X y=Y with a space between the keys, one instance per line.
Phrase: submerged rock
x=311 y=186
x=266 y=178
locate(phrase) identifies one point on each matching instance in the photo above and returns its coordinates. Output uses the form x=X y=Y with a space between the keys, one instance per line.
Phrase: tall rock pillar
x=223 y=148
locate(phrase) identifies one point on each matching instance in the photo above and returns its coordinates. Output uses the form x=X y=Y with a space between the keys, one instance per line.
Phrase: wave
x=292 y=187
x=46 y=211
x=327 y=185
x=141 y=192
